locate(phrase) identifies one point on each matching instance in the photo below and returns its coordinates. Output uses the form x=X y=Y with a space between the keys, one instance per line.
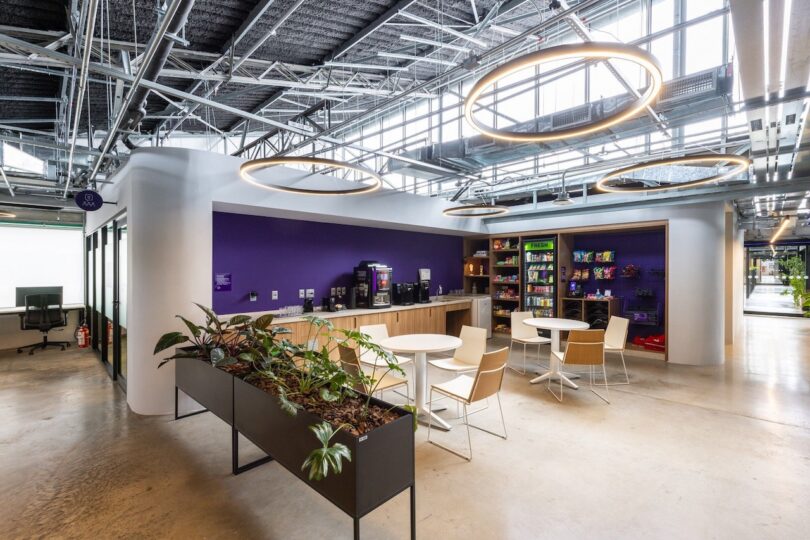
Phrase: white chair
x=379 y=383
x=616 y=341
x=378 y=333
x=467 y=390
x=468 y=356
x=524 y=335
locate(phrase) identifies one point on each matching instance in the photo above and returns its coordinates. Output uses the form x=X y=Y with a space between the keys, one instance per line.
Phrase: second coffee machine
x=422 y=292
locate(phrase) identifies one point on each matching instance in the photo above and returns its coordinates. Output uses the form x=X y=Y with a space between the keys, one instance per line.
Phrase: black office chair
x=43 y=312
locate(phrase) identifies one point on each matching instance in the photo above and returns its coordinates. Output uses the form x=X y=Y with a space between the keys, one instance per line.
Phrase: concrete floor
x=683 y=452
x=774 y=299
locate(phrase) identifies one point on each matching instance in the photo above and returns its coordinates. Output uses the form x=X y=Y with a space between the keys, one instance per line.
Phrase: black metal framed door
x=119 y=326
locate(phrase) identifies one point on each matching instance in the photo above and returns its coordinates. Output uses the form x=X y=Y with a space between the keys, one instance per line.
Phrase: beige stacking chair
x=584 y=348
x=616 y=341
x=351 y=363
x=524 y=335
x=378 y=333
x=468 y=356
x=467 y=390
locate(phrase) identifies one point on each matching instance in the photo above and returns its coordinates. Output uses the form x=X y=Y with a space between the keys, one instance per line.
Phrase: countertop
x=445 y=301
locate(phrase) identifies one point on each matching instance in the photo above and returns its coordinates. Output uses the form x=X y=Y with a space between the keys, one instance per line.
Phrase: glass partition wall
x=106 y=295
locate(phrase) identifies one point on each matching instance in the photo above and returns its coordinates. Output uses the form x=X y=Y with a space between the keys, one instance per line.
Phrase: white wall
x=695 y=271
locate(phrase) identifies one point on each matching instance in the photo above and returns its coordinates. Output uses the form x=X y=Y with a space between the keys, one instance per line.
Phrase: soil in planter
x=348 y=413
x=239 y=369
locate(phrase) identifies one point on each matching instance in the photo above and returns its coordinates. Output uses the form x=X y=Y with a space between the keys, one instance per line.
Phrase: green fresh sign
x=542 y=245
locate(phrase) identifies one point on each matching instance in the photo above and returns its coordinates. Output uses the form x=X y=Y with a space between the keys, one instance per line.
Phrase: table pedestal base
x=554 y=373
x=423 y=410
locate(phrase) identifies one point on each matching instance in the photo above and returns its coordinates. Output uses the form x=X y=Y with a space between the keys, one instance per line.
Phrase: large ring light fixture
x=591 y=50
x=608 y=184
x=476 y=210
x=7 y=215
x=248 y=167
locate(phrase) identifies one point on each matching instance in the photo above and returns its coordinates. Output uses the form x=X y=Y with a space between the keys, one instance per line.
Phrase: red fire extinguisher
x=109 y=332
x=83 y=336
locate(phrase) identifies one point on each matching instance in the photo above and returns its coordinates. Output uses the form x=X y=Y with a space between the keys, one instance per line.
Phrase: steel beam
x=83 y=73
x=690 y=196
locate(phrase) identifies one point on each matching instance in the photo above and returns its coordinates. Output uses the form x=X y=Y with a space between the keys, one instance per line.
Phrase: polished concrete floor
x=774 y=299
x=683 y=452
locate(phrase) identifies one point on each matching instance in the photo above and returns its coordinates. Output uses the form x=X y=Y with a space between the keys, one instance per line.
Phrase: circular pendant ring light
x=476 y=210
x=253 y=165
x=609 y=183
x=7 y=215
x=590 y=51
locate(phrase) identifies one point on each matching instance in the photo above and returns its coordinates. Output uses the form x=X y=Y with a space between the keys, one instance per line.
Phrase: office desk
x=20 y=310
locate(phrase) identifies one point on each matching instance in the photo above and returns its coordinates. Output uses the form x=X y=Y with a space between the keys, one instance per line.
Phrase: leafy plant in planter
x=223 y=343
x=300 y=376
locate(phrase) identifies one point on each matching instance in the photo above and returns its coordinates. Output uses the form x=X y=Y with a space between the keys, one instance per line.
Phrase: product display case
x=505 y=281
x=539 y=271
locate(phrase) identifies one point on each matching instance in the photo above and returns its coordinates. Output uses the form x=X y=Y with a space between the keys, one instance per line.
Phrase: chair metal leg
x=607 y=386
x=503 y=422
x=459 y=454
x=548 y=386
x=626 y=376
x=511 y=345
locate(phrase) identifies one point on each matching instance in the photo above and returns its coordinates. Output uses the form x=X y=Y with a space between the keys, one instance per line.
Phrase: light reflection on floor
x=771 y=299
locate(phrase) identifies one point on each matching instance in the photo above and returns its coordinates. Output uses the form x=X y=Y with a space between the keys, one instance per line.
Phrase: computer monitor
x=22 y=292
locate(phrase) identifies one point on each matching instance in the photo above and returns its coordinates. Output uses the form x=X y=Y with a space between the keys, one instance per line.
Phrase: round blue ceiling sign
x=88 y=200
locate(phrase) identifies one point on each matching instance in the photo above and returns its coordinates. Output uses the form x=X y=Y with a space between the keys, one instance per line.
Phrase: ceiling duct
x=695 y=97
x=137 y=109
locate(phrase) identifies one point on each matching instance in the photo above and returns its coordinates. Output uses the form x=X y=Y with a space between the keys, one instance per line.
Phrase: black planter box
x=382 y=462
x=207 y=385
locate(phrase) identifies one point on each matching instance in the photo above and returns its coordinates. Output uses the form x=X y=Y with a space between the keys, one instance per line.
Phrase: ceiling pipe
x=250 y=52
x=83 y=74
x=157 y=52
x=177 y=15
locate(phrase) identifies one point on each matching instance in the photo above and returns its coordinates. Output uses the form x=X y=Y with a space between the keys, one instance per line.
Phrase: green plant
x=322 y=459
x=221 y=342
x=794 y=268
x=299 y=374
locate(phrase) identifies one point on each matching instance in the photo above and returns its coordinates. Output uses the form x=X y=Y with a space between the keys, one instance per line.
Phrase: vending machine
x=539 y=271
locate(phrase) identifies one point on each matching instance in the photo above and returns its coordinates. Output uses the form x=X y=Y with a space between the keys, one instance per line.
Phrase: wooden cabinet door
x=408 y=322
x=373 y=318
x=438 y=322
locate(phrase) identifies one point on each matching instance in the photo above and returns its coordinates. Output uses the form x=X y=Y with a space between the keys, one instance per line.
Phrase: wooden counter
x=440 y=317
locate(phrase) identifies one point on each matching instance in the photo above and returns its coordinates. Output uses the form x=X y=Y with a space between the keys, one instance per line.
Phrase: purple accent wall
x=645 y=249
x=263 y=254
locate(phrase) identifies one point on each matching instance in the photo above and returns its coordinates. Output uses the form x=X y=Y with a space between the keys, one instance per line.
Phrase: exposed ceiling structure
x=82 y=82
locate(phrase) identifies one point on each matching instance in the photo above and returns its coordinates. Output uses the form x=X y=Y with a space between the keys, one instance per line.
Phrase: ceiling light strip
x=476 y=210
x=591 y=50
x=779 y=231
x=608 y=183
x=251 y=166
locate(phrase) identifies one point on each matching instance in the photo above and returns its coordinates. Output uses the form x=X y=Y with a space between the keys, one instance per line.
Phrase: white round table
x=555 y=326
x=419 y=345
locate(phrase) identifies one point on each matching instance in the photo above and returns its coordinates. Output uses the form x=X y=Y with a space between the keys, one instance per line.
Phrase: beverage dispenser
x=372 y=284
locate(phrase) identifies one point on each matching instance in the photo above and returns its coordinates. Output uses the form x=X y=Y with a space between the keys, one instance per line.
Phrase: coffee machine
x=422 y=292
x=403 y=294
x=372 y=285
